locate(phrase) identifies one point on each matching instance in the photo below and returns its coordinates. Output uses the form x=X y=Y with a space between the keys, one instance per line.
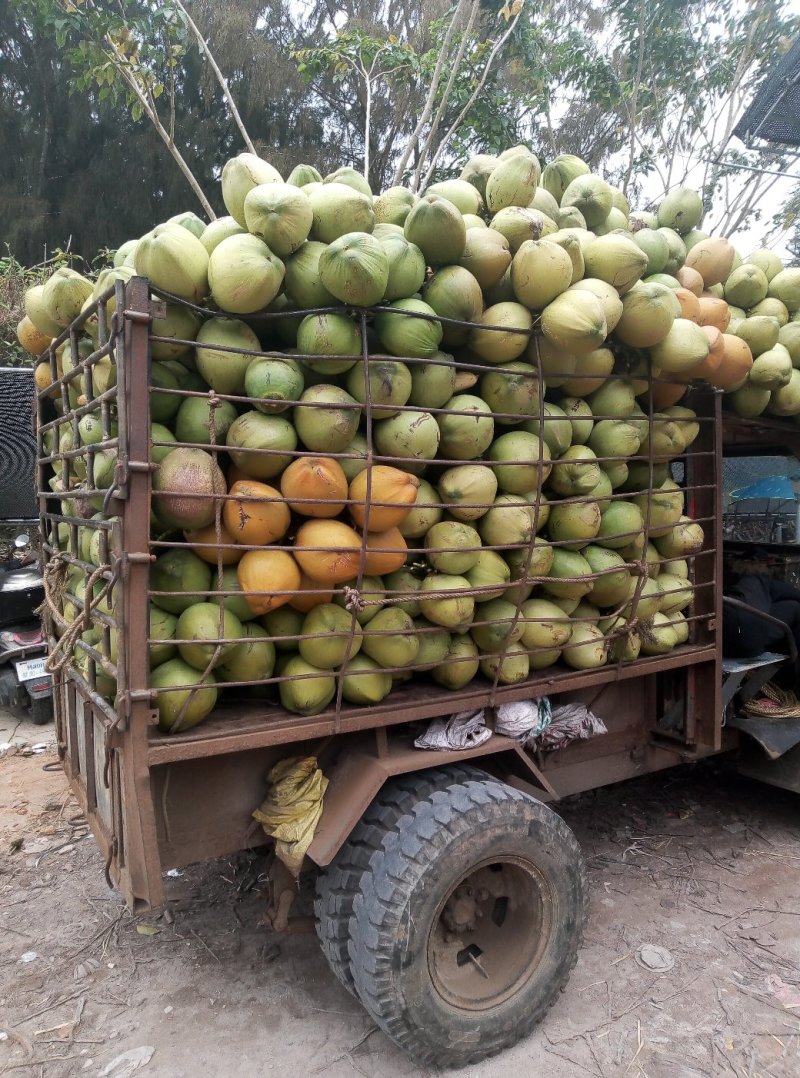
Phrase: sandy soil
x=698 y=861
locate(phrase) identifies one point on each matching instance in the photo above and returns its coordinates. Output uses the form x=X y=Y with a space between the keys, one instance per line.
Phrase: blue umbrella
x=775 y=487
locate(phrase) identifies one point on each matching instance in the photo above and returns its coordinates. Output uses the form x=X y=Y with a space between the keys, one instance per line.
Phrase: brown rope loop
x=353 y=601
x=66 y=642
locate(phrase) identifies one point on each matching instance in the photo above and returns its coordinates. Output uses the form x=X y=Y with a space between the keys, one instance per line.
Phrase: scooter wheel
x=42 y=711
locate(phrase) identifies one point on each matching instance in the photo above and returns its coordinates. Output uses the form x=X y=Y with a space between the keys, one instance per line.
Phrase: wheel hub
x=491 y=932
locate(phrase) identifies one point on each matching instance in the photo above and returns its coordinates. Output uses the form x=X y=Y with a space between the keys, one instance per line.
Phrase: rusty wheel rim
x=490 y=933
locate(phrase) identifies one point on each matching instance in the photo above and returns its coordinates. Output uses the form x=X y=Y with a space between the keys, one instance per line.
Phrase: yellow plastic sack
x=291 y=811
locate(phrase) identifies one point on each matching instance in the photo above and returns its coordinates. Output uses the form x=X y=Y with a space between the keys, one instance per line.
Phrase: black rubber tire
x=409 y=875
x=340 y=882
x=42 y=710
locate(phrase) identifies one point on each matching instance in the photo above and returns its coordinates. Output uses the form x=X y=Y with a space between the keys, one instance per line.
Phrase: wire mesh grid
x=440 y=518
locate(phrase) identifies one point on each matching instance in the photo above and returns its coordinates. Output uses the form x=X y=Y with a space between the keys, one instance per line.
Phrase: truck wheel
x=468 y=922
x=41 y=710
x=338 y=884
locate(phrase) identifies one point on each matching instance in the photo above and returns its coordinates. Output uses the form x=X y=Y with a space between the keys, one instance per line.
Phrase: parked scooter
x=26 y=688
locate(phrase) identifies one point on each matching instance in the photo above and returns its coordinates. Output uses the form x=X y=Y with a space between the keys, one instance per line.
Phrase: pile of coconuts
x=399 y=436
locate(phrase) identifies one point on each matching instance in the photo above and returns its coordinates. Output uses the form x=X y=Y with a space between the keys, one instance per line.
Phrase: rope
x=774 y=704
x=83 y=621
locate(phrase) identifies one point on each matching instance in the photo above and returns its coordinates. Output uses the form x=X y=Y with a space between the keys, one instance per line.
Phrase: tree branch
x=223 y=82
x=471 y=100
x=454 y=68
x=432 y=91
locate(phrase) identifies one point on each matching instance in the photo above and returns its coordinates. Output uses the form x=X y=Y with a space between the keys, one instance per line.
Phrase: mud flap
x=775 y=736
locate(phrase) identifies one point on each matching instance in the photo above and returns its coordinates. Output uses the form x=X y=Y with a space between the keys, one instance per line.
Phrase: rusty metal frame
x=138 y=757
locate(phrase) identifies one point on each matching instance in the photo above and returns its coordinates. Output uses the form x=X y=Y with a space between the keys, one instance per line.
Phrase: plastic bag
x=466 y=730
x=571 y=722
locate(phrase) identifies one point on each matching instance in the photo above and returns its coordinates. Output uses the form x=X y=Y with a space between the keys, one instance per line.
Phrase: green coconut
x=767 y=261
x=614 y=438
x=607 y=295
x=620 y=523
x=193 y=697
x=280 y=214
x=477 y=171
x=771 y=308
x=560 y=172
x=490 y=576
x=785 y=286
x=655 y=247
x=746 y=286
x=394 y=205
x=401 y=587
x=748 y=401
x=615 y=259
x=62 y=297
x=468 y=490
x=487 y=256
x=466 y=427
x=253 y=659
x=351 y=178
x=329 y=334
x=239 y=176
x=175 y=261
x=681 y=210
x=326 y=419
x=284 y=625
x=544 y=202
x=677 y=593
x=179 y=324
x=195 y=420
x=236 y=603
x=403 y=333
x=206 y=634
x=389 y=385
x=162 y=629
x=510 y=520
x=355 y=269
x=503 y=333
x=410 y=435
x=785 y=400
x=261 y=444
x=665 y=506
x=507 y=668
x=512 y=182
x=446 y=600
x=437 y=228
x=570 y=575
x=544 y=625
x=760 y=332
x=520 y=223
x=575 y=322
x=274 y=383
x=461 y=664
x=365 y=681
x=425 y=512
x=435 y=644
x=244 y=275
x=612 y=581
x=685 y=539
x=522 y=461
x=303 y=283
x=330 y=636
x=186 y=487
x=454 y=293
x=575 y=473
x=301 y=175
x=433 y=383
x=339 y=209
x=511 y=392
x=222 y=229
x=771 y=369
x=573 y=524
x=308 y=690
x=224 y=370
x=647 y=315
x=452 y=547
x=591 y=196
x=540 y=271
x=464 y=196
x=684 y=346
x=569 y=243
x=406 y=267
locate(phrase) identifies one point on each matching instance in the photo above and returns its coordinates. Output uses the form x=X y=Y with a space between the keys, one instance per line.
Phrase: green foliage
x=15 y=279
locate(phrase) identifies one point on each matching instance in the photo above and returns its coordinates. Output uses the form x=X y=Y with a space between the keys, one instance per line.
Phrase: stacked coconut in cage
x=402 y=436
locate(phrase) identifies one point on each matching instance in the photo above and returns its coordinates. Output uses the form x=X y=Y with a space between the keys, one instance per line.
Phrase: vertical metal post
x=140 y=862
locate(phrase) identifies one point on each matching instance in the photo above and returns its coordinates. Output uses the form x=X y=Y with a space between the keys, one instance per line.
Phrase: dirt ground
x=699 y=862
